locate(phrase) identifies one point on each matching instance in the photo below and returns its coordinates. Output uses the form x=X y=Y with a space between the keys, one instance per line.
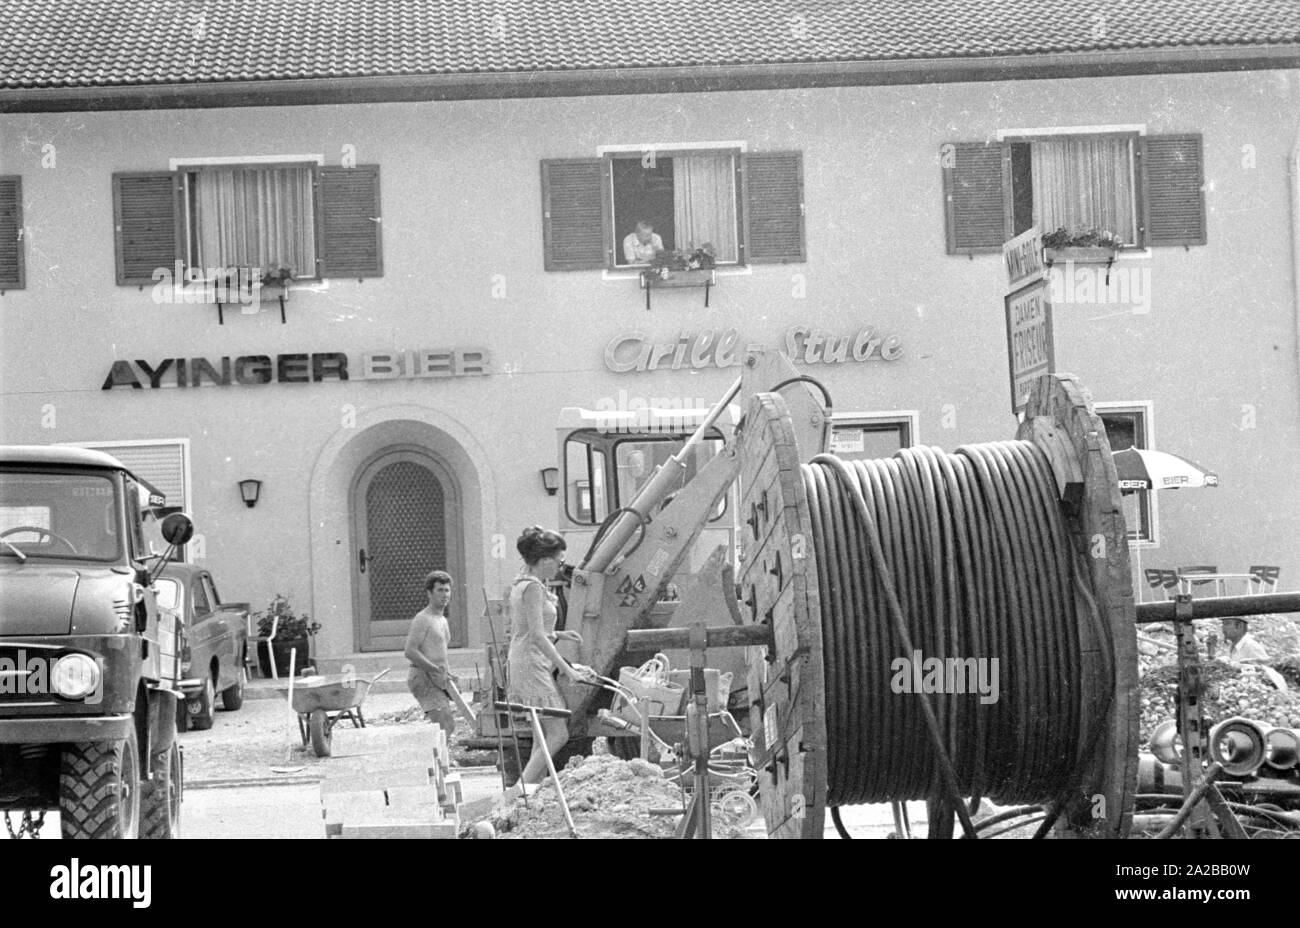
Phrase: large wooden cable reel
x=779 y=586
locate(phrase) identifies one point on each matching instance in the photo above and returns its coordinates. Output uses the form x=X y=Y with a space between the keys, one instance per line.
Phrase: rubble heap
x=608 y=798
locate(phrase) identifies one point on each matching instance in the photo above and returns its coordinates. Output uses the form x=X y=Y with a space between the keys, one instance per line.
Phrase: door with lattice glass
x=405 y=507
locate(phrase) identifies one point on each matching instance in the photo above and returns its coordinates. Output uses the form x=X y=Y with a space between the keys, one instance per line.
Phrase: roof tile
x=70 y=43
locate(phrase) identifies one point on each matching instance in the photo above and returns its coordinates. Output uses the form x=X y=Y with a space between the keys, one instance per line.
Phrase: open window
x=1076 y=183
x=1145 y=189
x=747 y=205
x=690 y=199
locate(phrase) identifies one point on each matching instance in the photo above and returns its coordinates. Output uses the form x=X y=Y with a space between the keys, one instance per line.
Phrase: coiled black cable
x=955 y=556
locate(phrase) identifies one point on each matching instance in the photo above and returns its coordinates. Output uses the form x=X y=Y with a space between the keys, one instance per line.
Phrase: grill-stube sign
x=1029 y=316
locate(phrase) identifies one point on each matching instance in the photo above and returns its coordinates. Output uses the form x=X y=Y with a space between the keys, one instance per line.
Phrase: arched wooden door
x=405 y=509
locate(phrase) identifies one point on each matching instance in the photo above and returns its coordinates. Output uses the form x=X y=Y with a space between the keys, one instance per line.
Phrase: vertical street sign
x=1028 y=305
x=1029 y=339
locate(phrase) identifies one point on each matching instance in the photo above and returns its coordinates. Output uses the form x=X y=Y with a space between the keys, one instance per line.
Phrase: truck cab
x=89 y=665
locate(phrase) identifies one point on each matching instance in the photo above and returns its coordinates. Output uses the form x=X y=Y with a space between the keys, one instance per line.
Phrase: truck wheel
x=232 y=697
x=160 y=800
x=200 y=708
x=99 y=789
x=319 y=727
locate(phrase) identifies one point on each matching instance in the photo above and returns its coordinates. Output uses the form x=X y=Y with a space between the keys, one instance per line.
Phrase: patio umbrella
x=1141 y=469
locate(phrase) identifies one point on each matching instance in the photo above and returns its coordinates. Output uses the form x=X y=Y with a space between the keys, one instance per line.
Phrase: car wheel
x=232 y=697
x=161 y=798
x=200 y=709
x=99 y=789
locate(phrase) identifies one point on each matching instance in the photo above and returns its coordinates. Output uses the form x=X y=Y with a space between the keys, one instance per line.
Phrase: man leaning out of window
x=641 y=246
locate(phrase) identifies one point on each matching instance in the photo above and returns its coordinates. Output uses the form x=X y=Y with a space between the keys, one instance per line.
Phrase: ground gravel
x=608 y=798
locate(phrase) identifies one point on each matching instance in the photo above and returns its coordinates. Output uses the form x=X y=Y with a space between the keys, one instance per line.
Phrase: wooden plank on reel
x=1073 y=437
x=779 y=585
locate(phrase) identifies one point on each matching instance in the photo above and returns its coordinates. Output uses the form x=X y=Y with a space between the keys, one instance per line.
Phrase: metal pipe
x=721 y=636
x=1221 y=607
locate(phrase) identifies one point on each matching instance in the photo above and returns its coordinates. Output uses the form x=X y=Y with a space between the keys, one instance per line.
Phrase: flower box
x=664 y=278
x=1080 y=254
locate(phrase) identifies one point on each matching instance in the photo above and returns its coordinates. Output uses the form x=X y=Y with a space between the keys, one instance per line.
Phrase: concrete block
x=378 y=780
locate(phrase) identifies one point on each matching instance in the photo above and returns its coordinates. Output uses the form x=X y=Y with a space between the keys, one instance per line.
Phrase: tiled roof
x=106 y=43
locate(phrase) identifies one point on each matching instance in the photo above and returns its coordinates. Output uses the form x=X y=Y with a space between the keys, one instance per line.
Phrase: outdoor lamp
x=250 y=490
x=551 y=479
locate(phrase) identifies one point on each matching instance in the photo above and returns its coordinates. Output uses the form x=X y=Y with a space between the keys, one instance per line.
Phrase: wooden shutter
x=774 y=212
x=1173 y=174
x=977 y=214
x=12 y=272
x=577 y=233
x=144 y=224
x=349 y=222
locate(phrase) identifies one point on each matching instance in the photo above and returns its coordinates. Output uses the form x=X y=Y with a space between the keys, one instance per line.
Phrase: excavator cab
x=607 y=457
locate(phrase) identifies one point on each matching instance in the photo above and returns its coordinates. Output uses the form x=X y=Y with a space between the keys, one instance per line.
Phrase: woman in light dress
x=533 y=656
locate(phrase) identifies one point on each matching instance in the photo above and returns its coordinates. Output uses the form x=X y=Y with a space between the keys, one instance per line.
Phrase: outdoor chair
x=1159 y=579
x=1264 y=578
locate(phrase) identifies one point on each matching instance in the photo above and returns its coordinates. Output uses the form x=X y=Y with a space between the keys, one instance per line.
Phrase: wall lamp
x=250 y=490
x=551 y=479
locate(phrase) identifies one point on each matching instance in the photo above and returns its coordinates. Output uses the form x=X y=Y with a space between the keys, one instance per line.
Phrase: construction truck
x=90 y=666
x=648 y=505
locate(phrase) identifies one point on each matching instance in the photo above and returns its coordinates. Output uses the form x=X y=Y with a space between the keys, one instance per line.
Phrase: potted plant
x=292 y=631
x=681 y=268
x=278 y=278
x=1093 y=246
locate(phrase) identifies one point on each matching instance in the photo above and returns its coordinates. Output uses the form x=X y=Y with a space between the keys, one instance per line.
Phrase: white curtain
x=257 y=217
x=704 y=203
x=1082 y=184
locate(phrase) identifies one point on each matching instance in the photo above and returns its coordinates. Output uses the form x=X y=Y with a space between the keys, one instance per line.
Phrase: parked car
x=216 y=635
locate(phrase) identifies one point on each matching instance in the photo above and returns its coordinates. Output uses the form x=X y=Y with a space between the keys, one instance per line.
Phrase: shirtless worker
x=426 y=649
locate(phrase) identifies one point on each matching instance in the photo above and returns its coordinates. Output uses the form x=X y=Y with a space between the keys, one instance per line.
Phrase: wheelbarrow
x=322 y=701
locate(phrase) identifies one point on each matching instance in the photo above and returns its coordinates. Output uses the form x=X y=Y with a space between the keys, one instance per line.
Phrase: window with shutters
x=1146 y=190
x=614 y=211
x=256 y=216
x=308 y=220
x=677 y=201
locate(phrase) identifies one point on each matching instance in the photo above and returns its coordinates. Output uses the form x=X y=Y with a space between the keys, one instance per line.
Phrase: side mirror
x=177 y=529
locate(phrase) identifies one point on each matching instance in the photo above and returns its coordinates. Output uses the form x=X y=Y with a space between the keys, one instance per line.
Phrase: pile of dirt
x=608 y=798
x=1229 y=690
